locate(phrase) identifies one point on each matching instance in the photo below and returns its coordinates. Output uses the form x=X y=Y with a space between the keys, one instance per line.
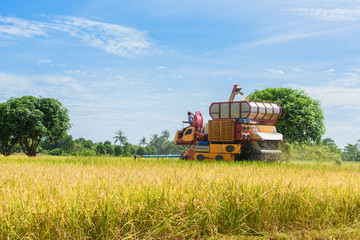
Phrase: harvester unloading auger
x=242 y=130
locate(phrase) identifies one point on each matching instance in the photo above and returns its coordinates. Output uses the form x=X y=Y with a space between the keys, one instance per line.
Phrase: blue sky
x=139 y=66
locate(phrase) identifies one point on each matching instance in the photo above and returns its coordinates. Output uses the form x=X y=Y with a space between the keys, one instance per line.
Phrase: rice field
x=122 y=198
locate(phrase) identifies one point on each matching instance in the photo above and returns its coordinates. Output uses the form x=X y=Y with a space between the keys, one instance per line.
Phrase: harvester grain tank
x=239 y=130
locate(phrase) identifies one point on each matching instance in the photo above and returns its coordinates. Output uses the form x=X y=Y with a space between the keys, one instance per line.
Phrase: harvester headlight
x=255 y=129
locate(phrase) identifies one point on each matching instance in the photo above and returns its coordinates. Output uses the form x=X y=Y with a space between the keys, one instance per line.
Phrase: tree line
x=162 y=144
x=157 y=144
x=351 y=152
x=66 y=145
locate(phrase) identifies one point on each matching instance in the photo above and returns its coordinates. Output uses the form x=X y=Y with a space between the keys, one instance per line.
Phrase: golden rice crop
x=117 y=198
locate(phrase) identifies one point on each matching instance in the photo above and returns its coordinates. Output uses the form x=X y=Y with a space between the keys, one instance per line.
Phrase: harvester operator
x=190 y=118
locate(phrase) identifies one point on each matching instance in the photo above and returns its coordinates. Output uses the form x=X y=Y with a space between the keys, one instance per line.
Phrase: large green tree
x=65 y=143
x=302 y=119
x=36 y=120
x=165 y=134
x=101 y=149
x=109 y=148
x=7 y=139
x=85 y=143
x=330 y=143
x=141 y=151
x=118 y=150
x=352 y=152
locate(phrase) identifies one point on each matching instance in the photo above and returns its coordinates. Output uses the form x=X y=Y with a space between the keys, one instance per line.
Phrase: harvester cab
x=192 y=134
x=239 y=130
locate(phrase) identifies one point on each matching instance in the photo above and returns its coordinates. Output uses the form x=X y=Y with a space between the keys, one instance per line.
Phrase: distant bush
x=141 y=151
x=130 y=150
x=151 y=150
x=56 y=152
x=319 y=153
x=352 y=152
x=118 y=150
x=109 y=149
x=101 y=149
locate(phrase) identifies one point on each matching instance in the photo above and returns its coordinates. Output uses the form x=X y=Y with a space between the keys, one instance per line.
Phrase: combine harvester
x=242 y=130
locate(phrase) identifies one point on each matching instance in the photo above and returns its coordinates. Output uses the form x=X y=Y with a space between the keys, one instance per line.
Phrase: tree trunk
x=6 y=148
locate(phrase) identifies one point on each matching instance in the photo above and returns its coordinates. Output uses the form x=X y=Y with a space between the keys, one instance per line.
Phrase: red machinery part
x=198 y=120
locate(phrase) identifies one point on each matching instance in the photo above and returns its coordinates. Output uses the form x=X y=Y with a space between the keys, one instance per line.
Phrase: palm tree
x=143 y=141
x=165 y=134
x=159 y=142
x=119 y=136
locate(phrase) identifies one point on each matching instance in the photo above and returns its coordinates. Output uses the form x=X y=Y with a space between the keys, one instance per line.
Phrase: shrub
x=56 y=151
x=319 y=153
x=118 y=150
x=141 y=151
x=87 y=152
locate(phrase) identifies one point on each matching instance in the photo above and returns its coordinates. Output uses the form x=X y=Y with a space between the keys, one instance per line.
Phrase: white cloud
x=297 y=69
x=77 y=73
x=112 y=38
x=22 y=28
x=161 y=68
x=44 y=85
x=63 y=82
x=275 y=71
x=348 y=82
x=43 y=61
x=13 y=86
x=286 y=38
x=13 y=82
x=328 y=14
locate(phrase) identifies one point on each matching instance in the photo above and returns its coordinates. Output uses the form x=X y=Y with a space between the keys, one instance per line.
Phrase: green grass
x=119 y=198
